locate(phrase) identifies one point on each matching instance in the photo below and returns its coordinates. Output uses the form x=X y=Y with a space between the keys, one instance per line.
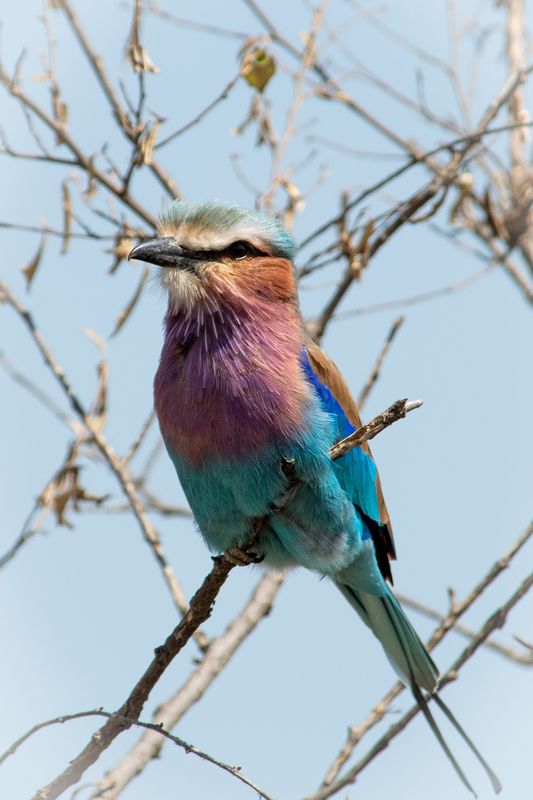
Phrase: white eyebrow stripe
x=194 y=239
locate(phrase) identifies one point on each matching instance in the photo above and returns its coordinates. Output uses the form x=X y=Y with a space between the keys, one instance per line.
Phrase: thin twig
x=28 y=532
x=158 y=729
x=508 y=652
x=376 y=371
x=393 y=413
x=415 y=299
x=201 y=114
x=133 y=448
x=45 y=229
x=515 y=46
x=193 y=25
x=36 y=391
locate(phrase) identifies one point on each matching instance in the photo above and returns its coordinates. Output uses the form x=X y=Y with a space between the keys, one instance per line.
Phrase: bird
x=249 y=408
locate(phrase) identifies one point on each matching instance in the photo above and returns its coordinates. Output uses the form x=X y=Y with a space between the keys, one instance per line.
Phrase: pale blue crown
x=218 y=219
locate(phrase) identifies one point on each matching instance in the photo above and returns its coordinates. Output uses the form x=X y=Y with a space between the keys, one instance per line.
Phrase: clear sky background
x=83 y=608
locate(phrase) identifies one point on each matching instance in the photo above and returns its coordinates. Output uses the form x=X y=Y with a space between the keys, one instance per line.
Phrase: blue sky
x=84 y=607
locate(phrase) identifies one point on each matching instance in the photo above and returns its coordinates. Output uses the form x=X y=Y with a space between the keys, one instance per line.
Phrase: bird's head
x=214 y=251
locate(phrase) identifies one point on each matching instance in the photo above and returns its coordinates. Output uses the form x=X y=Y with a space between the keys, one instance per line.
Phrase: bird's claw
x=288 y=469
x=243 y=558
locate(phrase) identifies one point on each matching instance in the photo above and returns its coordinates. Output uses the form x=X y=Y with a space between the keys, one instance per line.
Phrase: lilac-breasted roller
x=249 y=408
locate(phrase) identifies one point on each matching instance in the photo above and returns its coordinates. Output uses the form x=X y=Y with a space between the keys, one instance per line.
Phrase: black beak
x=164 y=252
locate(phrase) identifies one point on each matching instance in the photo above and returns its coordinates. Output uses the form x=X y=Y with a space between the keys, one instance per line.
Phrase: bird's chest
x=228 y=400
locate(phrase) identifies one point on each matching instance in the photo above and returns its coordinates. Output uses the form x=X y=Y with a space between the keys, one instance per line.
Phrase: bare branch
x=125 y=124
x=28 y=532
x=401 y=215
x=423 y=158
x=82 y=161
x=393 y=413
x=139 y=438
x=444 y=177
x=158 y=729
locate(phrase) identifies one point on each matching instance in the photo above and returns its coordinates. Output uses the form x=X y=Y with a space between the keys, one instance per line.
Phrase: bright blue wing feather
x=356 y=471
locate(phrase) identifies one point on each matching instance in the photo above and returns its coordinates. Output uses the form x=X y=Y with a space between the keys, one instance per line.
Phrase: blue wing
x=356 y=471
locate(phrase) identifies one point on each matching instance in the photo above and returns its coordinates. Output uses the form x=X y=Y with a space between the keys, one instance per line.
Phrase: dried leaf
x=99 y=406
x=60 y=110
x=125 y=241
x=146 y=143
x=92 y=186
x=362 y=247
x=123 y=247
x=64 y=489
x=464 y=183
x=137 y=54
x=295 y=204
x=125 y=313
x=96 y=339
x=140 y=60
x=257 y=68
x=31 y=268
x=493 y=217
x=67 y=216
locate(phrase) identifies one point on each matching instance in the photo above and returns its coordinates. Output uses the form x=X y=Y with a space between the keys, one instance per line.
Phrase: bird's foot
x=243 y=558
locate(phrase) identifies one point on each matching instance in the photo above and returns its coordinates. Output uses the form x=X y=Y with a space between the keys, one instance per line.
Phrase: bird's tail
x=411 y=661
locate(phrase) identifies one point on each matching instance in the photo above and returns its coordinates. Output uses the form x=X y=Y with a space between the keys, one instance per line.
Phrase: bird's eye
x=238 y=250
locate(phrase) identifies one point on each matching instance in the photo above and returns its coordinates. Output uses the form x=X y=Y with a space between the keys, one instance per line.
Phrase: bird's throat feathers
x=229 y=380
